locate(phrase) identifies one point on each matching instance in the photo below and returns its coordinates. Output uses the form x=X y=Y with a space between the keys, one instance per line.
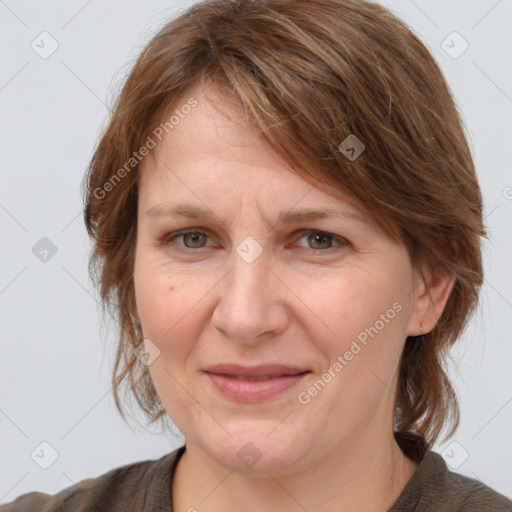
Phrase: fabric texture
x=146 y=487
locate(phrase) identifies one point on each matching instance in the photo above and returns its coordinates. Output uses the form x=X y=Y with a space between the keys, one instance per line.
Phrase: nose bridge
x=247 y=308
x=248 y=276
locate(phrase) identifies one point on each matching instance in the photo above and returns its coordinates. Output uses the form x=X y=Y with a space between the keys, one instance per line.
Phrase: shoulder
x=435 y=487
x=476 y=496
x=446 y=491
x=128 y=487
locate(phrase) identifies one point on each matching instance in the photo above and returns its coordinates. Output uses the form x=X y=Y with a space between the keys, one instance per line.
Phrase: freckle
x=171 y=288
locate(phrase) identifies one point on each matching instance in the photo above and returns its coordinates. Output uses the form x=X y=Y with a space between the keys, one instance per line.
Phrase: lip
x=233 y=381
x=262 y=370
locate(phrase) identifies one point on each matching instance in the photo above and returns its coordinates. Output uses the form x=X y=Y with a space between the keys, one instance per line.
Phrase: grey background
x=56 y=357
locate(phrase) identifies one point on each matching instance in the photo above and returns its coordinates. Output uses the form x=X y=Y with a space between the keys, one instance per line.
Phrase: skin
x=302 y=302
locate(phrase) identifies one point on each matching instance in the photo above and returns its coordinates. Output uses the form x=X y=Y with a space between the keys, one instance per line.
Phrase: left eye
x=318 y=240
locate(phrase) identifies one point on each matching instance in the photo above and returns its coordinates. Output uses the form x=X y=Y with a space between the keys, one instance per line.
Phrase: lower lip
x=252 y=391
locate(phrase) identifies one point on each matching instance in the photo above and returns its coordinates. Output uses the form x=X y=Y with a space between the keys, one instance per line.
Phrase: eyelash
x=168 y=239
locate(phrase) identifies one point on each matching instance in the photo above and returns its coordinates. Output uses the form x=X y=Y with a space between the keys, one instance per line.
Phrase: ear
x=430 y=295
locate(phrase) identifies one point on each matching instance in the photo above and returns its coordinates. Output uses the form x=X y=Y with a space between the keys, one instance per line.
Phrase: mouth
x=251 y=384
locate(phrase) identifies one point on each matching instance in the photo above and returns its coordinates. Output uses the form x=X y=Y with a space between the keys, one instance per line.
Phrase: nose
x=252 y=306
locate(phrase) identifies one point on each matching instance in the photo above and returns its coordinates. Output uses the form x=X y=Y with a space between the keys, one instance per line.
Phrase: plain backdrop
x=56 y=356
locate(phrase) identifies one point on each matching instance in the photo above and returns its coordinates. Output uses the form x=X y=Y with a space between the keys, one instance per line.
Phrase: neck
x=367 y=473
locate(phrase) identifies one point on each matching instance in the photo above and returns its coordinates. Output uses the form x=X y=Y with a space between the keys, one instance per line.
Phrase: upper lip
x=264 y=370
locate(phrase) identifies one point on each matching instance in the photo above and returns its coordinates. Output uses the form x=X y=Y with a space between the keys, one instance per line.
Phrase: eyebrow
x=286 y=217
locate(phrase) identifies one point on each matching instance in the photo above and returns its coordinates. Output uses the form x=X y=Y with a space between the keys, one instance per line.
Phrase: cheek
x=154 y=295
x=161 y=295
x=361 y=349
x=360 y=318
x=171 y=309
x=342 y=306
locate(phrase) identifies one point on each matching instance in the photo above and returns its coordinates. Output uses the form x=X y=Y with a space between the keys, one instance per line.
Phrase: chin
x=254 y=451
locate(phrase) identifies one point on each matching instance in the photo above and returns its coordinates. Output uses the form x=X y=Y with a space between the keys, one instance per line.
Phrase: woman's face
x=259 y=281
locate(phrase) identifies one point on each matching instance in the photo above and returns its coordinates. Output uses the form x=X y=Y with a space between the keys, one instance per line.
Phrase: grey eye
x=194 y=240
x=320 y=240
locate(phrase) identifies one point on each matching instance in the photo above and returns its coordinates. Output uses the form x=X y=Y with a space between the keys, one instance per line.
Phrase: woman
x=287 y=223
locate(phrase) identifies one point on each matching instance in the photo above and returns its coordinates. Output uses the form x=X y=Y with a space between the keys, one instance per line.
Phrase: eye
x=321 y=241
x=194 y=240
x=191 y=240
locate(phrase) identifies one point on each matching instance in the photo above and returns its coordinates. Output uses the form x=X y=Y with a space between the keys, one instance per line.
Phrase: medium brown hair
x=307 y=73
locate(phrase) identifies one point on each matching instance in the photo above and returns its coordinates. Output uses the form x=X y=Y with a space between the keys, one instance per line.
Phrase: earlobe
x=430 y=299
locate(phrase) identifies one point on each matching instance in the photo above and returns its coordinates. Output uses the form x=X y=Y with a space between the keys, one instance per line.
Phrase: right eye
x=192 y=239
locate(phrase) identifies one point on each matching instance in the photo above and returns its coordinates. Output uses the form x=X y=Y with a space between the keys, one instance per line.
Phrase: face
x=230 y=269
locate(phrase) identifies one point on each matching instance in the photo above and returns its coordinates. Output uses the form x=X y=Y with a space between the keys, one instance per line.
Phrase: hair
x=307 y=74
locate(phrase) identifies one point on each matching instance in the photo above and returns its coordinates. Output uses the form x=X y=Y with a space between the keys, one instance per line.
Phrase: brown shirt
x=145 y=487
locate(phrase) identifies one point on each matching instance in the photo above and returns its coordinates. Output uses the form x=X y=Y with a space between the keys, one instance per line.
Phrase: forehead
x=215 y=128
x=213 y=150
